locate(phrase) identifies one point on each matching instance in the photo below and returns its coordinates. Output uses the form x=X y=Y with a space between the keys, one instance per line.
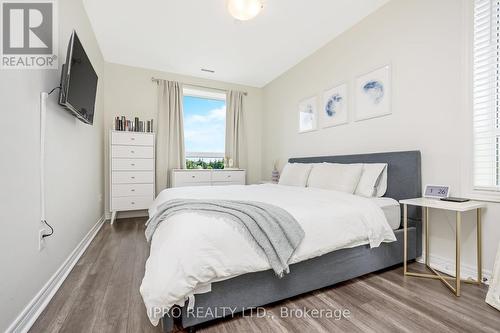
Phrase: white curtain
x=235 y=144
x=170 y=133
x=493 y=296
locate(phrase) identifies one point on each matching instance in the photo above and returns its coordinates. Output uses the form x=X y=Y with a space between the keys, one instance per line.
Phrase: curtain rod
x=154 y=79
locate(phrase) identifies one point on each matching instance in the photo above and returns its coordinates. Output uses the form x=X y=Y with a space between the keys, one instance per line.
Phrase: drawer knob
x=132 y=152
x=133 y=203
x=133 y=190
x=229 y=176
x=193 y=176
x=132 y=139
x=133 y=177
x=132 y=164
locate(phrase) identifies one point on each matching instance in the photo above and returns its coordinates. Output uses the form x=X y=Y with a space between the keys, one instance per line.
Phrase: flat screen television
x=78 y=82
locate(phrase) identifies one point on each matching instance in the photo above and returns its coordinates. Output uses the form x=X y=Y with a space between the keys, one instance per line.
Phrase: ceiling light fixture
x=244 y=10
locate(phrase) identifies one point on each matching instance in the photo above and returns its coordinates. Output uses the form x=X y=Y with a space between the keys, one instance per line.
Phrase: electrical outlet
x=41 y=239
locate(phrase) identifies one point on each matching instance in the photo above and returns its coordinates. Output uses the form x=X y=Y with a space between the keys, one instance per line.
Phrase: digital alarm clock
x=437 y=191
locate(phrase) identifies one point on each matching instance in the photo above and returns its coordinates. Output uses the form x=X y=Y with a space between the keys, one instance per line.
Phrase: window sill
x=488 y=196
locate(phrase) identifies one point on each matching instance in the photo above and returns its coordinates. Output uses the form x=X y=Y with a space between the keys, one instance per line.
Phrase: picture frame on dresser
x=132 y=171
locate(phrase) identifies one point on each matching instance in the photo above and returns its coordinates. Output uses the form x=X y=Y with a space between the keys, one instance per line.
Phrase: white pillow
x=370 y=180
x=335 y=176
x=295 y=174
x=382 y=184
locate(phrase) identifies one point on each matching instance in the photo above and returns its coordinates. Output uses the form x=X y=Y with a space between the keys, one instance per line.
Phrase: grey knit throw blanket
x=271 y=228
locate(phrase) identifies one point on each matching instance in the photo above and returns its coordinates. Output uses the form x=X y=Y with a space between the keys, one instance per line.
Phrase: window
x=204 y=128
x=486 y=79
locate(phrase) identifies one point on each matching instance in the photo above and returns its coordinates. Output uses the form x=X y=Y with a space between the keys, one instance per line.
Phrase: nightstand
x=458 y=208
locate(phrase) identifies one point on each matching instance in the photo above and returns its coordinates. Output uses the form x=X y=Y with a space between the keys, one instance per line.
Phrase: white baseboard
x=447 y=266
x=28 y=316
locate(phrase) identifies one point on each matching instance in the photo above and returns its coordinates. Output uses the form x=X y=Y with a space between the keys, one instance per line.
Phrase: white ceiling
x=183 y=36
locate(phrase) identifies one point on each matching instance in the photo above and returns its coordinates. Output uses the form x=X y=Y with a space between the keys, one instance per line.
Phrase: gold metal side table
x=458 y=208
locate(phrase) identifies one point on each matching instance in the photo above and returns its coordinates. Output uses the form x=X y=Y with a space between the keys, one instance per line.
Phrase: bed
x=262 y=287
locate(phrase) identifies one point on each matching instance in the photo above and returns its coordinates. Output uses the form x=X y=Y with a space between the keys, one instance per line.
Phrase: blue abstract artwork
x=375 y=90
x=373 y=94
x=334 y=106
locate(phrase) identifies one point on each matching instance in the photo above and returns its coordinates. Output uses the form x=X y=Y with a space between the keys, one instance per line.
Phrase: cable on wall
x=43 y=112
x=50 y=93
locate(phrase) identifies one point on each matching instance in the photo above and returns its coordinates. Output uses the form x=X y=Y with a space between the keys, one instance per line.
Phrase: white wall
x=130 y=92
x=425 y=43
x=74 y=171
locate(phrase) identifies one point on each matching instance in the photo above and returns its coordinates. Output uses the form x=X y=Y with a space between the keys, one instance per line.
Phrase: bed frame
x=261 y=288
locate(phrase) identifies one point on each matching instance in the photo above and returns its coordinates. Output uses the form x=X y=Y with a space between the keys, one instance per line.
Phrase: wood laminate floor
x=101 y=294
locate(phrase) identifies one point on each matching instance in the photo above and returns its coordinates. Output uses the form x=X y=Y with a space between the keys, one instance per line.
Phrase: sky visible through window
x=204 y=125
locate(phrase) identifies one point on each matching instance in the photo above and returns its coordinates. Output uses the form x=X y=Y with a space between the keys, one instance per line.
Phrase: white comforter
x=189 y=250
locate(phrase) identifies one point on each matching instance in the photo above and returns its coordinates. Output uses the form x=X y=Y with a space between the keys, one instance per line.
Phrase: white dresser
x=204 y=177
x=132 y=171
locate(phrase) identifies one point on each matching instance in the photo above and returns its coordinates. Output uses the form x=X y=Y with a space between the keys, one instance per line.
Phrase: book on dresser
x=132 y=171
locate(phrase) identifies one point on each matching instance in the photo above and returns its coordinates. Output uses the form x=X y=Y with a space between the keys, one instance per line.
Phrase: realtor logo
x=29 y=34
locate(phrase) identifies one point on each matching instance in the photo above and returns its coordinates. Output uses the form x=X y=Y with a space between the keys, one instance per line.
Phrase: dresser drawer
x=229 y=176
x=132 y=177
x=131 y=203
x=131 y=138
x=226 y=183
x=131 y=190
x=190 y=177
x=185 y=184
x=133 y=164
x=132 y=152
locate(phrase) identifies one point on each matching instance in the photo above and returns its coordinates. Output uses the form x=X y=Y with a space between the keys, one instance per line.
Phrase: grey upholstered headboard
x=404 y=179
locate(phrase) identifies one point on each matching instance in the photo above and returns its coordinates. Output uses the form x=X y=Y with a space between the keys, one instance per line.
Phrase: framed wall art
x=334 y=109
x=373 y=94
x=308 y=115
